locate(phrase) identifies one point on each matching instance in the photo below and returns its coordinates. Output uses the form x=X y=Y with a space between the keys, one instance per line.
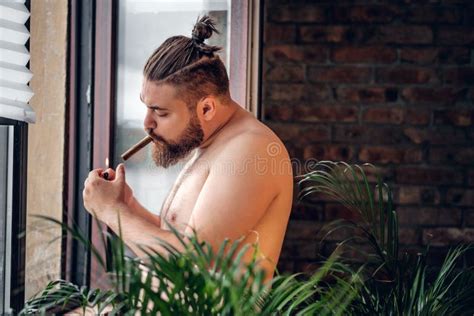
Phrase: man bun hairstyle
x=189 y=64
x=203 y=30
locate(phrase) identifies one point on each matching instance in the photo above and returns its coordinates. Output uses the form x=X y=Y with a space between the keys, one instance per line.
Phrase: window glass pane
x=3 y=212
x=3 y=209
x=142 y=27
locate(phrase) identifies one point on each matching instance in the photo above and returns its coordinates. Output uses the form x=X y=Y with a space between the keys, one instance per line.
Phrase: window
x=142 y=27
x=13 y=148
x=15 y=114
x=111 y=87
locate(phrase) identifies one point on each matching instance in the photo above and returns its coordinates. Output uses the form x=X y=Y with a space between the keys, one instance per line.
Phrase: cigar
x=135 y=148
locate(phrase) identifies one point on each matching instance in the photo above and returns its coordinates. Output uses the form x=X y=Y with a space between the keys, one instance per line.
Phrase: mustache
x=156 y=138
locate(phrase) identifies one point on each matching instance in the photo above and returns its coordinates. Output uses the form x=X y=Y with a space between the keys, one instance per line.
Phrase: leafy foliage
x=201 y=281
x=395 y=282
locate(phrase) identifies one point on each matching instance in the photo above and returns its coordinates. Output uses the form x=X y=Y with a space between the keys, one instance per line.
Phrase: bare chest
x=180 y=203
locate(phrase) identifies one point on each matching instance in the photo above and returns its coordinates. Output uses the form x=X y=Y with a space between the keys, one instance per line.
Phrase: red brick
x=288 y=73
x=470 y=132
x=385 y=155
x=285 y=92
x=275 y=33
x=365 y=14
x=373 y=174
x=344 y=74
x=302 y=230
x=422 y=56
x=439 y=95
x=297 y=13
x=294 y=53
x=459 y=76
x=456 y=35
x=326 y=113
x=460 y=197
x=298 y=135
x=286 y=266
x=337 y=211
x=404 y=35
x=417 y=116
x=301 y=249
x=278 y=112
x=369 y=135
x=377 y=54
x=429 y=216
x=330 y=34
x=341 y=234
x=366 y=94
x=297 y=92
x=384 y=115
x=312 y=134
x=469 y=217
x=454 y=55
x=447 y=236
x=443 y=136
x=408 y=195
x=423 y=175
x=307 y=267
x=287 y=132
x=408 y=236
x=329 y=152
x=457 y=117
x=406 y=75
x=433 y=14
x=450 y=155
x=309 y=212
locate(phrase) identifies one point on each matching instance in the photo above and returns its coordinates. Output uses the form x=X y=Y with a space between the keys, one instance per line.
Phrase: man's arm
x=112 y=200
x=230 y=204
x=137 y=232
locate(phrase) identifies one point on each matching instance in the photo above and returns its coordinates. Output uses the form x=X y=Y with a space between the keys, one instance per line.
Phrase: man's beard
x=166 y=154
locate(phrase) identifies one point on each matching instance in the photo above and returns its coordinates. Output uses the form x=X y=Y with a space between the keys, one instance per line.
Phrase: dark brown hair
x=190 y=64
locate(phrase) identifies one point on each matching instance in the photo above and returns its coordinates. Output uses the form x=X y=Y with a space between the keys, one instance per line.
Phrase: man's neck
x=226 y=117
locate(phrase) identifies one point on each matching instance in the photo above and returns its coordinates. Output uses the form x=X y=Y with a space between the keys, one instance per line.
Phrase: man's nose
x=149 y=122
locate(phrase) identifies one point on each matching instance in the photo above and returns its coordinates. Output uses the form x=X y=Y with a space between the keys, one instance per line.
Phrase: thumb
x=121 y=172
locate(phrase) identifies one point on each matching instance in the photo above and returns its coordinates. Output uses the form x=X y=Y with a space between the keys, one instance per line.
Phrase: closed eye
x=158 y=111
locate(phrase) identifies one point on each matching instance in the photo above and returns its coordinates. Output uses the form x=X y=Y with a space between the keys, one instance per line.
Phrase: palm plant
x=395 y=282
x=199 y=281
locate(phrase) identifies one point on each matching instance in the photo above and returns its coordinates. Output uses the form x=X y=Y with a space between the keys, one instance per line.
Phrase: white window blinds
x=14 y=76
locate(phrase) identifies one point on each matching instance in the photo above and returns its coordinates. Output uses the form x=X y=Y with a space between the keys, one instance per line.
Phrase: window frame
x=14 y=295
x=96 y=32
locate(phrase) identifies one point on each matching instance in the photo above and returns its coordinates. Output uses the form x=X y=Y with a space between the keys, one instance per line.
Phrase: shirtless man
x=238 y=180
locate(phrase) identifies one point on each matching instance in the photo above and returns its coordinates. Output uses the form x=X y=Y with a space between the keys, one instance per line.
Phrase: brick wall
x=386 y=82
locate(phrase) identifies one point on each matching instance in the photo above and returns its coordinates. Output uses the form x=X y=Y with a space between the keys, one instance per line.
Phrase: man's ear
x=206 y=108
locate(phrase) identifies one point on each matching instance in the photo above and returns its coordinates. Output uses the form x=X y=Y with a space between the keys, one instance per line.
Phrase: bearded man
x=238 y=180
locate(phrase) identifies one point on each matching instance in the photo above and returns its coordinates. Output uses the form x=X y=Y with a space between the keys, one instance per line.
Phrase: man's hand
x=103 y=197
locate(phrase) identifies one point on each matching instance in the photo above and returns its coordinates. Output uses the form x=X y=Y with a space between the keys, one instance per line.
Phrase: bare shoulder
x=255 y=148
x=252 y=137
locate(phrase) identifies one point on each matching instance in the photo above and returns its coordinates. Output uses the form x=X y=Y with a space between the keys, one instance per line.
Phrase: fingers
x=111 y=174
x=121 y=173
x=95 y=173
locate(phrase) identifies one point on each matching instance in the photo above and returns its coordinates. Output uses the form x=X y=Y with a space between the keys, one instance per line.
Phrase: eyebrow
x=154 y=107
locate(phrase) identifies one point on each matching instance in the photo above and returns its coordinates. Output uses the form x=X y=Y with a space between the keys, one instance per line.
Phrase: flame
x=106 y=162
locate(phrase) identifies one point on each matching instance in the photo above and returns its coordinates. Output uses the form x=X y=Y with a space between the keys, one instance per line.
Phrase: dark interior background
x=386 y=82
